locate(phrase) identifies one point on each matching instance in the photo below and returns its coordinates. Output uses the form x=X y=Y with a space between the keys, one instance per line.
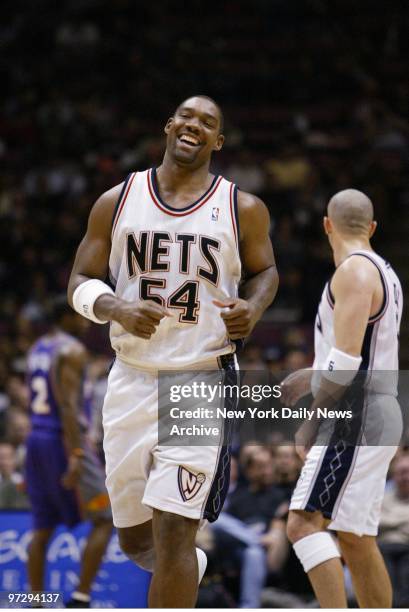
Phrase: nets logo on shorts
x=189 y=483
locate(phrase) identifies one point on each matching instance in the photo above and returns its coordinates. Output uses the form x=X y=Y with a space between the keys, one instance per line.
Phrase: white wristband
x=85 y=296
x=340 y=367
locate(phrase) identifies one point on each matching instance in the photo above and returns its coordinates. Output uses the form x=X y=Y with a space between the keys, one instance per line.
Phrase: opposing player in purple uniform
x=65 y=480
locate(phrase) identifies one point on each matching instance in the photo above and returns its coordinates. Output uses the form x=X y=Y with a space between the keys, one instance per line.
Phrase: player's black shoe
x=76 y=603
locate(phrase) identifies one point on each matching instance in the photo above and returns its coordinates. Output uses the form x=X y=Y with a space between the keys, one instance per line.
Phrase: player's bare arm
x=358 y=294
x=260 y=273
x=357 y=291
x=69 y=375
x=356 y=287
x=91 y=262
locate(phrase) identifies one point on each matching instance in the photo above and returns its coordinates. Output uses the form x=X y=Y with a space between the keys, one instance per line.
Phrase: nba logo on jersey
x=215 y=214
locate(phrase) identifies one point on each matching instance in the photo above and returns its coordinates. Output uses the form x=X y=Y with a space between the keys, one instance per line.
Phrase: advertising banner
x=119 y=583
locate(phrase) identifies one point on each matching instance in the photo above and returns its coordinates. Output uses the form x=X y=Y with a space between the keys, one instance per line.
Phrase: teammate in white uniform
x=341 y=486
x=162 y=260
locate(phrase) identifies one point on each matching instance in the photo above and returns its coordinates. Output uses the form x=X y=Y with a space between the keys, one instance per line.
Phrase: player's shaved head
x=351 y=212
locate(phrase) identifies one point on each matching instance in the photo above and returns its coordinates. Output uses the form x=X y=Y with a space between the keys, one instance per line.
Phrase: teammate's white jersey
x=181 y=258
x=338 y=475
x=381 y=342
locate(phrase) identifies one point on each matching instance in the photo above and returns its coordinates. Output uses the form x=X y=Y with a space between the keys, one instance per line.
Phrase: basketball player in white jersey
x=162 y=260
x=340 y=487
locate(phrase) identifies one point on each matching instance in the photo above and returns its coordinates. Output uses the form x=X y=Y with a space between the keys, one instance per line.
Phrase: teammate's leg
x=94 y=550
x=370 y=578
x=175 y=579
x=37 y=556
x=319 y=556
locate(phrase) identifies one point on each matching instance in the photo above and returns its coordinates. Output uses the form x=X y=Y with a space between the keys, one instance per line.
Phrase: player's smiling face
x=193 y=133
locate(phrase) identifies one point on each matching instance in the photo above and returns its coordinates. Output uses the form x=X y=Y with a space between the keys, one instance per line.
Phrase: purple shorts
x=51 y=503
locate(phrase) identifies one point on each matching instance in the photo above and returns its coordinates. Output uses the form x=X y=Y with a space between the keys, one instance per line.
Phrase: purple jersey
x=41 y=379
x=46 y=458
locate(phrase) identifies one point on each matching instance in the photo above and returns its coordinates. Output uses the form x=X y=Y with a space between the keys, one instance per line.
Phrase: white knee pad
x=145 y=560
x=315 y=549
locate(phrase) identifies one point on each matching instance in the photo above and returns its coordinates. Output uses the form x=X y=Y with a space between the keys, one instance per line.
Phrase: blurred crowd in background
x=315 y=96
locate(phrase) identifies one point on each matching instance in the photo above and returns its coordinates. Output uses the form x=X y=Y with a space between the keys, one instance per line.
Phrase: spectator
x=295 y=359
x=394 y=530
x=12 y=496
x=288 y=584
x=287 y=467
x=17 y=430
x=242 y=531
x=252 y=358
x=17 y=392
x=246 y=173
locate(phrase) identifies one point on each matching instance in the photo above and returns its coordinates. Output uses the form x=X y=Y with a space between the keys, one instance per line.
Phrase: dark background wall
x=315 y=96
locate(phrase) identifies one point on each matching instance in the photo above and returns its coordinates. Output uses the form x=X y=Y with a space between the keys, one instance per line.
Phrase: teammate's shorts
x=191 y=481
x=346 y=482
x=51 y=503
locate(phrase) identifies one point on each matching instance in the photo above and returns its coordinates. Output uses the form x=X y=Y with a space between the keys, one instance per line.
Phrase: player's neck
x=344 y=248
x=171 y=176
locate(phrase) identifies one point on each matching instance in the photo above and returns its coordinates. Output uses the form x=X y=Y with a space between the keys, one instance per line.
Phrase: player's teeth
x=189 y=140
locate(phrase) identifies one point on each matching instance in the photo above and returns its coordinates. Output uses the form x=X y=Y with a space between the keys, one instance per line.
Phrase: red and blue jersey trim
x=234 y=213
x=122 y=199
x=179 y=212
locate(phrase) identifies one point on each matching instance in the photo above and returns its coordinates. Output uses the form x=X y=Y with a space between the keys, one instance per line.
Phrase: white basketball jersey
x=181 y=258
x=381 y=342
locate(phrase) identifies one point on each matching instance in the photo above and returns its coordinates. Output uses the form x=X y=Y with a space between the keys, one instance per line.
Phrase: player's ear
x=372 y=228
x=327 y=225
x=168 y=125
x=219 y=143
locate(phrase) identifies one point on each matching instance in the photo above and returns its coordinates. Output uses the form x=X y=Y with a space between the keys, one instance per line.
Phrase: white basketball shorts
x=346 y=483
x=141 y=475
